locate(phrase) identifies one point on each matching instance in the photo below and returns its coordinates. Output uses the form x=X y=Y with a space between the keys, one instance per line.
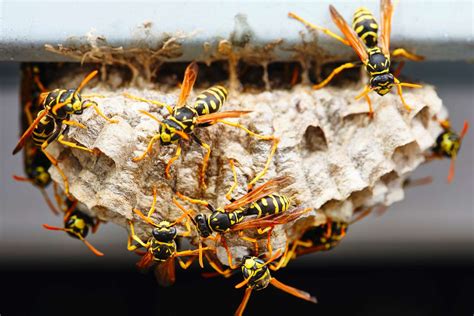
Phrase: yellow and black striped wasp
x=58 y=106
x=35 y=163
x=161 y=248
x=448 y=144
x=77 y=225
x=183 y=119
x=257 y=277
x=267 y=208
x=373 y=52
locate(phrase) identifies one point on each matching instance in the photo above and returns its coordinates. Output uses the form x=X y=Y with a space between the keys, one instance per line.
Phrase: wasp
x=58 y=106
x=373 y=50
x=77 y=225
x=448 y=144
x=183 y=119
x=35 y=163
x=161 y=246
x=270 y=209
x=257 y=277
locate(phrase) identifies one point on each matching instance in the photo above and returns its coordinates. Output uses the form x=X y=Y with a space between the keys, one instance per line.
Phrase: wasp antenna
x=92 y=248
x=85 y=81
x=452 y=169
x=55 y=228
x=465 y=128
x=22 y=179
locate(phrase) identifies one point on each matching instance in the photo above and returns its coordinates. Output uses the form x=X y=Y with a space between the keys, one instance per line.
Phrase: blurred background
x=416 y=259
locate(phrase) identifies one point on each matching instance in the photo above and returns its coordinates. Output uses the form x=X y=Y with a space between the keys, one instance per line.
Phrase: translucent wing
x=29 y=131
x=165 y=273
x=265 y=189
x=209 y=118
x=190 y=76
x=386 y=12
x=272 y=220
x=349 y=33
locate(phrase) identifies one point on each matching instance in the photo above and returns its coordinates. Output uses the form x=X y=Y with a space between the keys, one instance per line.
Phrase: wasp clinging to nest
x=373 y=51
x=58 y=106
x=183 y=119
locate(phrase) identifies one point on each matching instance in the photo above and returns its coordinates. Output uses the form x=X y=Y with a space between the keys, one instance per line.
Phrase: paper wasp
x=161 y=246
x=448 y=144
x=58 y=106
x=257 y=277
x=231 y=217
x=35 y=163
x=77 y=225
x=183 y=119
x=374 y=53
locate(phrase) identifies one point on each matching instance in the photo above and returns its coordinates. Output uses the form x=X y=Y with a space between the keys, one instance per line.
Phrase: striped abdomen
x=269 y=205
x=210 y=100
x=365 y=25
x=44 y=130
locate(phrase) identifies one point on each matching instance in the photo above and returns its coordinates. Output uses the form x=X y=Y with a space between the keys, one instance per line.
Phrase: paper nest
x=340 y=159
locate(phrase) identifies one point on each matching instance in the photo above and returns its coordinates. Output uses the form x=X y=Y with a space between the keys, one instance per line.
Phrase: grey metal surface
x=439 y=30
x=434 y=222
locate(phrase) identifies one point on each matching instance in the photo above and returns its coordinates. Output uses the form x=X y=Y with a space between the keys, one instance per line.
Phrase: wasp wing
x=351 y=36
x=189 y=79
x=271 y=220
x=265 y=189
x=29 y=131
x=214 y=117
x=386 y=13
x=165 y=272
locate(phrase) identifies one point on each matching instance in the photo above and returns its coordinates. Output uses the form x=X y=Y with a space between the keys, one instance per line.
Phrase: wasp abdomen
x=210 y=100
x=269 y=205
x=366 y=27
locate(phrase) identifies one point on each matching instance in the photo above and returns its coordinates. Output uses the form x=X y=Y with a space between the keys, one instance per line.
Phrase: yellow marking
x=359 y=29
x=375 y=26
x=275 y=203
x=264 y=202
x=363 y=18
x=367 y=34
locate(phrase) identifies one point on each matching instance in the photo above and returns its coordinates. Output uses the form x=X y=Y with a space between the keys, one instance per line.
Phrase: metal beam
x=439 y=30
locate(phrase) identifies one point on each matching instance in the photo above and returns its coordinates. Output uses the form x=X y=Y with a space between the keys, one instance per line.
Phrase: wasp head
x=448 y=144
x=78 y=223
x=40 y=176
x=382 y=84
x=202 y=226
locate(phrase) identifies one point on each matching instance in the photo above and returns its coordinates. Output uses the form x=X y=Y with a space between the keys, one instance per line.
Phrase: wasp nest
x=340 y=159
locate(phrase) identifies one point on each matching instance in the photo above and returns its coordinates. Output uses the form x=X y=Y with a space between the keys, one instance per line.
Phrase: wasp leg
x=186 y=264
x=365 y=94
x=88 y=103
x=148 y=149
x=202 y=174
x=243 y=304
x=334 y=73
x=153 y=204
x=406 y=54
x=132 y=236
x=229 y=255
x=55 y=163
x=177 y=154
x=292 y=253
x=282 y=259
x=226 y=273
x=274 y=139
x=228 y=195
x=72 y=145
x=168 y=107
x=254 y=241
x=400 y=91
x=293 y=291
x=48 y=201
x=322 y=29
x=93 y=95
x=268 y=231
x=193 y=201
x=72 y=123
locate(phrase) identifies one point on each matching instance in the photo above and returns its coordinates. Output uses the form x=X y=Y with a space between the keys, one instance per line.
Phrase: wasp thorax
x=187 y=117
x=164 y=232
x=40 y=176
